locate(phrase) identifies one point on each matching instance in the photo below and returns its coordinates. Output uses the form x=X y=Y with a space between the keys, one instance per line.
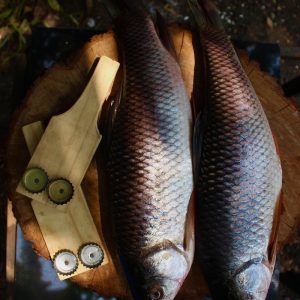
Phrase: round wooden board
x=57 y=90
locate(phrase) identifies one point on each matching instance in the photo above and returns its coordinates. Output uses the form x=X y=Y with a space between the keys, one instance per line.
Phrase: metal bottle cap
x=60 y=191
x=91 y=255
x=35 y=180
x=65 y=262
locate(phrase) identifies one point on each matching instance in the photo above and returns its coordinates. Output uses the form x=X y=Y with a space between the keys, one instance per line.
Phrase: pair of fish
x=236 y=169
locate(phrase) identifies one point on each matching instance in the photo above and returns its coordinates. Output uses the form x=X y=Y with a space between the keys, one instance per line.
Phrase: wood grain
x=11 y=236
x=52 y=95
x=68 y=81
x=68 y=229
x=72 y=138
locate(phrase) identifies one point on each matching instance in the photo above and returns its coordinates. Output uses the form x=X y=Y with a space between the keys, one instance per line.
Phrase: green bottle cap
x=35 y=180
x=60 y=191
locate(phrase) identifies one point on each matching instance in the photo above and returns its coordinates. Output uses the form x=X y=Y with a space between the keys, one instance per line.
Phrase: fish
x=150 y=161
x=238 y=172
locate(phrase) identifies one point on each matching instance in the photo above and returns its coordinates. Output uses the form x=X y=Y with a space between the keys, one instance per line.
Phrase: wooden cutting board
x=61 y=86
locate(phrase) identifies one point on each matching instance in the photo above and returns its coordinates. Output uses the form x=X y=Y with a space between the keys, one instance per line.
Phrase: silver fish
x=150 y=163
x=239 y=174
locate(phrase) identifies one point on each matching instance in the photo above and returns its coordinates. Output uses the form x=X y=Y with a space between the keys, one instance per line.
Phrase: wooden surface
x=52 y=95
x=68 y=229
x=11 y=237
x=68 y=81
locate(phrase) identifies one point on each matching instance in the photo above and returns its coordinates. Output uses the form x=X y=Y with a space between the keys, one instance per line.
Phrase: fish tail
x=205 y=14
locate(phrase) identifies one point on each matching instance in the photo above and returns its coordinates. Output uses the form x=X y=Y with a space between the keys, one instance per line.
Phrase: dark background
x=268 y=21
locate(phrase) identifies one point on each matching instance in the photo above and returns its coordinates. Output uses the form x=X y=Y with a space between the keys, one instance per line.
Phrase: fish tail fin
x=205 y=14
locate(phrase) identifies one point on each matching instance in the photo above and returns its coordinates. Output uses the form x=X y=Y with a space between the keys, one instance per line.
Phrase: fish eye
x=155 y=293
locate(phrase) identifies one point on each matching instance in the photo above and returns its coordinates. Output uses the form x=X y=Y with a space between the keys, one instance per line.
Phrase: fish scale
x=239 y=174
x=150 y=157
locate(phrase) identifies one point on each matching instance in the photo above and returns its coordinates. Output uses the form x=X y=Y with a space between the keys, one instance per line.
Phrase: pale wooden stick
x=71 y=139
x=67 y=226
x=10 y=250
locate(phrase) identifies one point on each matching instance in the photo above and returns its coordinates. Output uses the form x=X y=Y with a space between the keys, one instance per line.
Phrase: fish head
x=252 y=282
x=160 y=274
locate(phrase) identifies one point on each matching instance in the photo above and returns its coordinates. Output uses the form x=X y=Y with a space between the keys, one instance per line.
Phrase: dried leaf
x=73 y=19
x=4 y=39
x=28 y=9
x=51 y=20
x=269 y=22
x=54 y=5
x=25 y=27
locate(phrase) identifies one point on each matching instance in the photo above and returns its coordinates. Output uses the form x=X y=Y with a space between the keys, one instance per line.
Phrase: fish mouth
x=163 y=256
x=161 y=271
x=251 y=281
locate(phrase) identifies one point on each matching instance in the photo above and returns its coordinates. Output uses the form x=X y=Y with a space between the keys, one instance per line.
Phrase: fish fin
x=164 y=35
x=200 y=93
x=198 y=72
x=197 y=142
x=189 y=238
x=107 y=118
x=205 y=14
x=200 y=99
x=273 y=244
x=273 y=247
x=276 y=143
